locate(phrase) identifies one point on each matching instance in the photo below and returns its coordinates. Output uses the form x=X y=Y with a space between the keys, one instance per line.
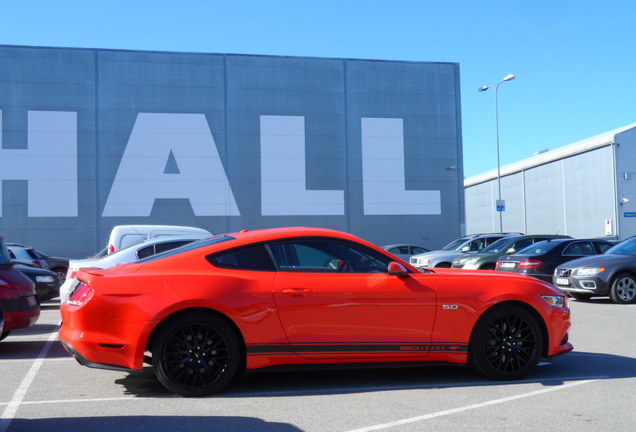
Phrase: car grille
x=561 y=272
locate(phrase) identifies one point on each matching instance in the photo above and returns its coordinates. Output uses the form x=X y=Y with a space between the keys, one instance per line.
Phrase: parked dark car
x=612 y=274
x=540 y=259
x=47 y=283
x=487 y=258
x=18 y=299
x=20 y=252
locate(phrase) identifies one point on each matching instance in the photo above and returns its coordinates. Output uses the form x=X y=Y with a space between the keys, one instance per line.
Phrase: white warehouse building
x=585 y=189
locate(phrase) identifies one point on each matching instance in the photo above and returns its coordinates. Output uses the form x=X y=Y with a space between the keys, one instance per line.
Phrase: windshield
x=538 y=248
x=497 y=246
x=628 y=247
x=454 y=245
x=5 y=258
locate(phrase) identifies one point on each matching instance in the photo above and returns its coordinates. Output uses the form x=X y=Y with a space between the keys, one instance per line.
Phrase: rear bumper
x=20 y=312
x=85 y=362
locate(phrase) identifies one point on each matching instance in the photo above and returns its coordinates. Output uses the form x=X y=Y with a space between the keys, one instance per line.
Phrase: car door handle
x=297 y=292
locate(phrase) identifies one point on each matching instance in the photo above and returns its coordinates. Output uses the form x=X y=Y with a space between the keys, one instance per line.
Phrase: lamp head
x=509 y=77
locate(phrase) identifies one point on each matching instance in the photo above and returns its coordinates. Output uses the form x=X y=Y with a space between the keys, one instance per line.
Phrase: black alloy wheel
x=196 y=354
x=506 y=343
x=623 y=289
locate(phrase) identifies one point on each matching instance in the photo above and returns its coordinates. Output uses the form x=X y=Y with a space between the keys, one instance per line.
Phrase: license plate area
x=562 y=281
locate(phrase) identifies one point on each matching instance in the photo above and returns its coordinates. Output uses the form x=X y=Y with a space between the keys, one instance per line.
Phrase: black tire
x=196 y=354
x=506 y=344
x=580 y=296
x=4 y=335
x=488 y=267
x=444 y=265
x=623 y=290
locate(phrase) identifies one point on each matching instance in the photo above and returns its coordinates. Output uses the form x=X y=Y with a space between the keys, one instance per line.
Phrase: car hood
x=600 y=260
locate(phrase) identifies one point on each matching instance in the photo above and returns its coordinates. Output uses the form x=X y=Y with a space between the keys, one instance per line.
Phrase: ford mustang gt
x=201 y=313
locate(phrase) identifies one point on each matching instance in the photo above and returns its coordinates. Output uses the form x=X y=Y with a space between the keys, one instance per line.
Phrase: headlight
x=44 y=279
x=589 y=271
x=471 y=261
x=556 y=301
x=420 y=261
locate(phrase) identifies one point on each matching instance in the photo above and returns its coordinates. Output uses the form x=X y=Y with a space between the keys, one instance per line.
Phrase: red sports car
x=292 y=296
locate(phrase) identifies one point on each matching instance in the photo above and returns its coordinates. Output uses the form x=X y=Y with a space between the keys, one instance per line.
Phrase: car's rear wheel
x=580 y=296
x=196 y=354
x=506 y=343
x=623 y=289
x=4 y=335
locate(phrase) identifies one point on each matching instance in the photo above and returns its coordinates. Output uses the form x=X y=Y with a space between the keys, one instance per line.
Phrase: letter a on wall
x=184 y=143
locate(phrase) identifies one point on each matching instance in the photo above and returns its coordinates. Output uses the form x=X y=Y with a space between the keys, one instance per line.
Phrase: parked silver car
x=130 y=254
x=445 y=256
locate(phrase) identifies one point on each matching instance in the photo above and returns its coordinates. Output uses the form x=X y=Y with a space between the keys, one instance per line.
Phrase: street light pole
x=500 y=206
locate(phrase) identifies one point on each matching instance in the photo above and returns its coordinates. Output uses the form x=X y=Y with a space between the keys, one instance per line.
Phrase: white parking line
x=18 y=396
x=470 y=407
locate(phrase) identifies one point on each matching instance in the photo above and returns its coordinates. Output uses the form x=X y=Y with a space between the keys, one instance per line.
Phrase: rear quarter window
x=254 y=257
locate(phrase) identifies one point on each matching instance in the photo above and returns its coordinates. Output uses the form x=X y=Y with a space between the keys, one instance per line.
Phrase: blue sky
x=573 y=60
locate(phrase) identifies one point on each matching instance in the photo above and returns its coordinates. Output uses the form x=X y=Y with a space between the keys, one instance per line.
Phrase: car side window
x=326 y=256
x=491 y=240
x=254 y=257
x=400 y=250
x=418 y=250
x=602 y=247
x=166 y=246
x=579 y=248
x=523 y=243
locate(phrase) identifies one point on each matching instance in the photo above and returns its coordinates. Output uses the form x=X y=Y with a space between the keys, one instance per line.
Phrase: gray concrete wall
x=96 y=138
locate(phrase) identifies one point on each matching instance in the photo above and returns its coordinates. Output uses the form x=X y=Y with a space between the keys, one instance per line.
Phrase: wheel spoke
x=510 y=344
x=196 y=355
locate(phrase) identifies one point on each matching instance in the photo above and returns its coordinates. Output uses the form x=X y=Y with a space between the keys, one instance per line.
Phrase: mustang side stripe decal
x=401 y=348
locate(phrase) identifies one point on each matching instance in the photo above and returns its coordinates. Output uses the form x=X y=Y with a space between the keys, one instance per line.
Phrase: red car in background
x=18 y=299
x=291 y=296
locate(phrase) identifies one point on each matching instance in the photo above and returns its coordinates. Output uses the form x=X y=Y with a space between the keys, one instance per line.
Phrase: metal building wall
x=96 y=138
x=573 y=196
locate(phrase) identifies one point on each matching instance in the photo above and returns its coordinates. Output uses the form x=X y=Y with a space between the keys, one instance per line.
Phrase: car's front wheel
x=196 y=354
x=623 y=289
x=506 y=343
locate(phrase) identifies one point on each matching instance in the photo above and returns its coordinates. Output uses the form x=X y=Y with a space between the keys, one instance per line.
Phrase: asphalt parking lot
x=590 y=389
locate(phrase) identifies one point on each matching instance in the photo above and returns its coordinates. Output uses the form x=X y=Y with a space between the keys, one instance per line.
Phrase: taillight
x=498 y=265
x=111 y=248
x=81 y=295
x=70 y=274
x=529 y=264
x=37 y=263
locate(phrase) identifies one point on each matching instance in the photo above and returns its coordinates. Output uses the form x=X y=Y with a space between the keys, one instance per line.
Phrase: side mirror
x=397 y=269
x=511 y=251
x=466 y=249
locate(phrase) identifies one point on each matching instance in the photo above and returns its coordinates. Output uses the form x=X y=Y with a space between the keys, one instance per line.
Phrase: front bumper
x=585 y=285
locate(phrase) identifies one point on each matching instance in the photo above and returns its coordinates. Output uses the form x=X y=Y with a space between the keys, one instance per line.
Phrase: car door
x=336 y=299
